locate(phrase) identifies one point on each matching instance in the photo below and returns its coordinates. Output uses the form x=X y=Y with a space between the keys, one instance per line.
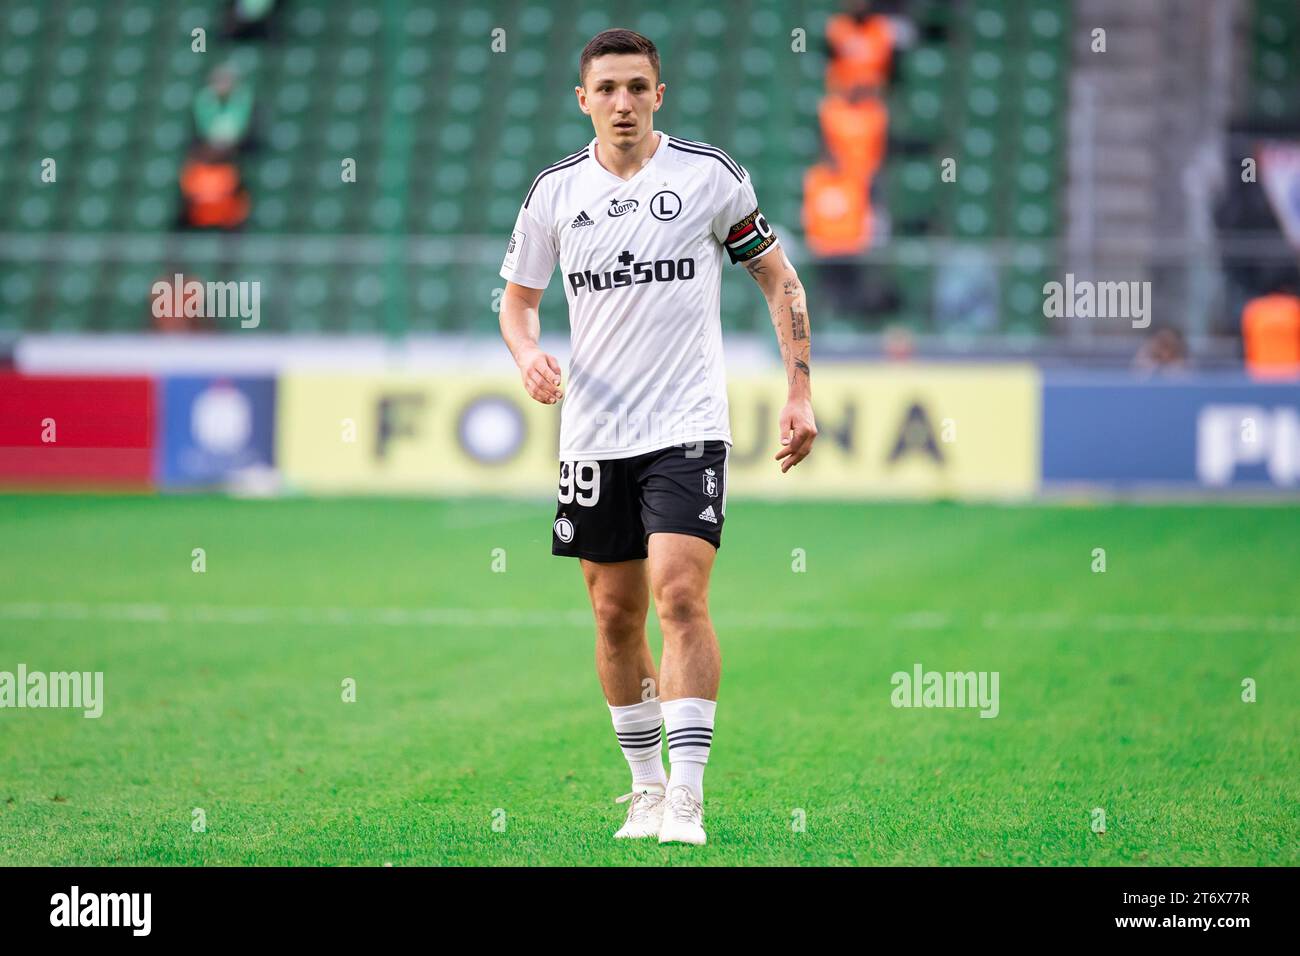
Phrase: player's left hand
x=797 y=432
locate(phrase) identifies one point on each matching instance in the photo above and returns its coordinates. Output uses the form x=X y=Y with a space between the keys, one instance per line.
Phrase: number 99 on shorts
x=579 y=482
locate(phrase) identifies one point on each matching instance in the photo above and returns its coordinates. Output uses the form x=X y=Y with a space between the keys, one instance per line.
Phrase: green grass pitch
x=480 y=736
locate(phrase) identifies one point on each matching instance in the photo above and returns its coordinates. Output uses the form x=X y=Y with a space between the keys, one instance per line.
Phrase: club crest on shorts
x=710 y=483
x=564 y=529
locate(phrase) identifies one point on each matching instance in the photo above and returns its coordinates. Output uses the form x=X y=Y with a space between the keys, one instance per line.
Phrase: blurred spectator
x=861 y=48
x=1270 y=331
x=862 y=44
x=837 y=213
x=837 y=230
x=854 y=129
x=211 y=190
x=248 y=18
x=1163 y=350
x=223 y=110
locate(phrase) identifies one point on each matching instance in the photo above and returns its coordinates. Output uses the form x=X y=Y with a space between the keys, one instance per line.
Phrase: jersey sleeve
x=740 y=227
x=530 y=254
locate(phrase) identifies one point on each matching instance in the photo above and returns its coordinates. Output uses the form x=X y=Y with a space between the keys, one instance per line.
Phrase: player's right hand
x=541 y=376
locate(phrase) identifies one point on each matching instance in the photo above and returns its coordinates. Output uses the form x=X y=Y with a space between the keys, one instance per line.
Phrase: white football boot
x=683 y=818
x=645 y=815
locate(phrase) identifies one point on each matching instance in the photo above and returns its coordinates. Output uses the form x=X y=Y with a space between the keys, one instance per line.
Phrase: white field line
x=924 y=620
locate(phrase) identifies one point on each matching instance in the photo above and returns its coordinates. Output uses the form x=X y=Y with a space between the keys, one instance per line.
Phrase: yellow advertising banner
x=895 y=430
x=419 y=433
x=885 y=430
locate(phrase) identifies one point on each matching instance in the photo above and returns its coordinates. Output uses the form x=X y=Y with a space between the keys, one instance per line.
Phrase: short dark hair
x=617 y=41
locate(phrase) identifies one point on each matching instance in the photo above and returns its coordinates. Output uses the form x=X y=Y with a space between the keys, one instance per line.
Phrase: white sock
x=689 y=722
x=639 y=730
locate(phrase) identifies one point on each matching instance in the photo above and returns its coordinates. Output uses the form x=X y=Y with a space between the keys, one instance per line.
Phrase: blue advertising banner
x=213 y=429
x=1201 y=432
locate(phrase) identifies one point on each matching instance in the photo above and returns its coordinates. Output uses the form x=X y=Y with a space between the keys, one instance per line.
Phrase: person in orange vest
x=854 y=130
x=1270 y=333
x=861 y=48
x=837 y=230
x=836 y=210
x=214 y=197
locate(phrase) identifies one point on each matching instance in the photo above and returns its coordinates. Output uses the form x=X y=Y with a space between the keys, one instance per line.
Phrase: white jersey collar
x=654 y=158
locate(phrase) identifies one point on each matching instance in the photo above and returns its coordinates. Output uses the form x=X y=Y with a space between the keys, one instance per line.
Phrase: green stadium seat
x=983 y=101
x=1037 y=140
x=1033 y=219
x=71 y=60
x=285 y=136
x=1033 y=179
x=24 y=20
x=36 y=211
x=81 y=20
x=299 y=61
x=974 y=178
x=269 y=213
x=990 y=26
x=467 y=98
x=137 y=19
x=444 y=216
x=364 y=23
x=307 y=22
x=973 y=220
x=986 y=67
x=521 y=145
x=19 y=286
x=16 y=61
x=1042 y=66
x=53 y=136
x=535 y=20
x=168 y=135
x=63 y=97
x=1046 y=23
x=184 y=62
x=150 y=213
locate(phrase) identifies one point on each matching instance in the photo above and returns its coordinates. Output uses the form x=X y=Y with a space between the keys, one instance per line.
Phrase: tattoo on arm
x=799 y=326
x=794 y=342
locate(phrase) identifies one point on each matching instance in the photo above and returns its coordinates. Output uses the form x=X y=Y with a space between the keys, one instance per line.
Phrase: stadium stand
x=107 y=89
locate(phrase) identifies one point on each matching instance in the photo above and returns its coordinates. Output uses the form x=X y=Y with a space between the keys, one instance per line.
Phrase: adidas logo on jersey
x=582 y=219
x=708 y=515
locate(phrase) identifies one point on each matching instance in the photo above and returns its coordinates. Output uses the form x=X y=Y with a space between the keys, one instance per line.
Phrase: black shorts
x=607 y=509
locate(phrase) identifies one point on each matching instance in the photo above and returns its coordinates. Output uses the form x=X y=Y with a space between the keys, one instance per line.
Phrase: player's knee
x=681 y=606
x=618 y=619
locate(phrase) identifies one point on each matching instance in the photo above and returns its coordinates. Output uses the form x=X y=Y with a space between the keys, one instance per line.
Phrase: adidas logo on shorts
x=708 y=515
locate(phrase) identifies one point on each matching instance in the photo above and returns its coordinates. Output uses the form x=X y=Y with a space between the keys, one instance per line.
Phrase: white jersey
x=642 y=264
